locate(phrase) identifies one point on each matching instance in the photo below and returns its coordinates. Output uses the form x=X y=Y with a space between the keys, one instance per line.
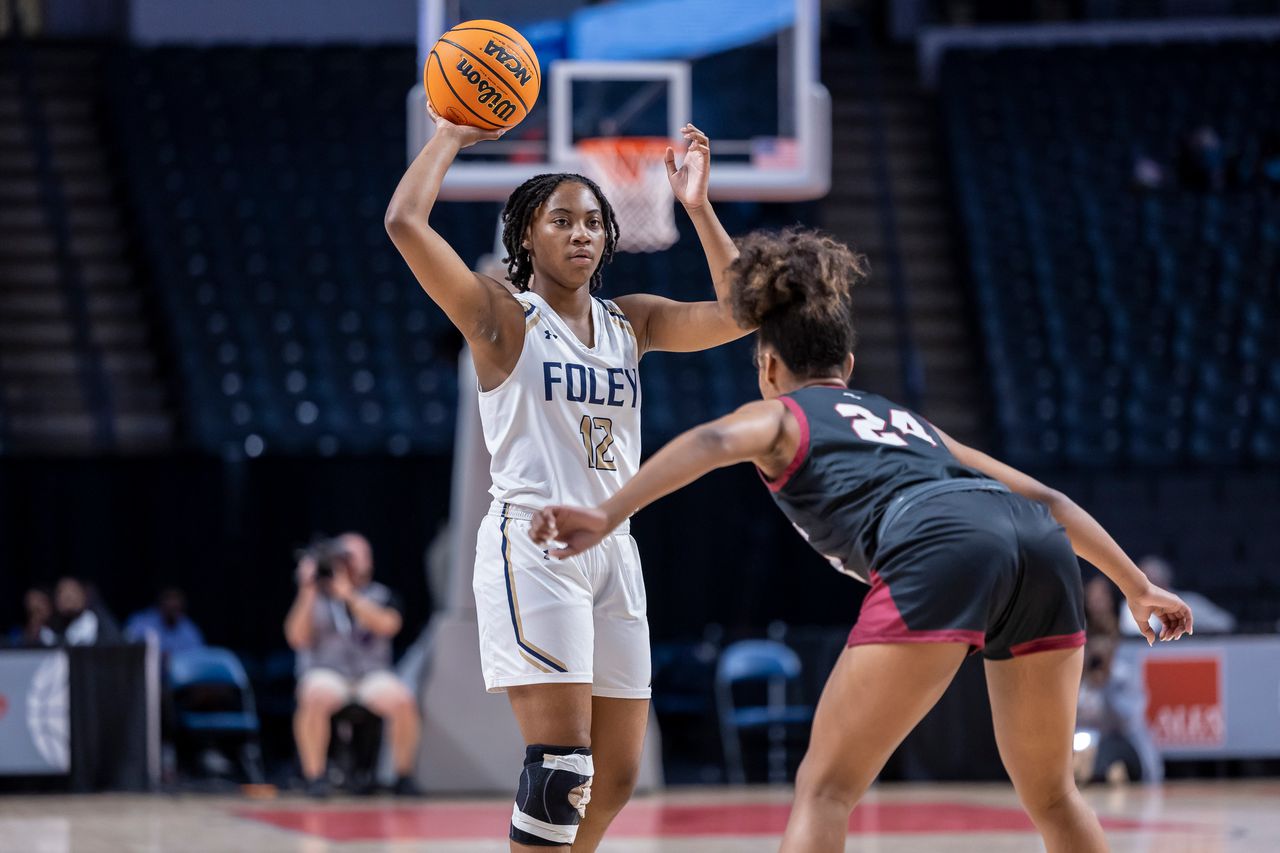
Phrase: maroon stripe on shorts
x=1048 y=644
x=881 y=623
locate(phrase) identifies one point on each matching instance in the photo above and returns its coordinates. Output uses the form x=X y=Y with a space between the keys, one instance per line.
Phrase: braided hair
x=518 y=214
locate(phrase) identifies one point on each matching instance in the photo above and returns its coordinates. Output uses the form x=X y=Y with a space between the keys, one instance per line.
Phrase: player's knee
x=819 y=780
x=1047 y=796
x=611 y=790
x=551 y=801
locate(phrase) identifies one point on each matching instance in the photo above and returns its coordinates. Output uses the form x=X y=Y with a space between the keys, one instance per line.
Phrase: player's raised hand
x=1174 y=614
x=464 y=134
x=576 y=528
x=689 y=182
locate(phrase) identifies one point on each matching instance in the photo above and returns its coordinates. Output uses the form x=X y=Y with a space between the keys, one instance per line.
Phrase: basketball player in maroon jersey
x=963 y=553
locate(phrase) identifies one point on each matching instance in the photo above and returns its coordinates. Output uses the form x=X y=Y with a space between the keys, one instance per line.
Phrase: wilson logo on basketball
x=1184 y=706
x=486 y=94
x=509 y=60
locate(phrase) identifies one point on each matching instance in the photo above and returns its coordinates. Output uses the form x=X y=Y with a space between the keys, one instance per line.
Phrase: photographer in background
x=341 y=625
x=1111 y=705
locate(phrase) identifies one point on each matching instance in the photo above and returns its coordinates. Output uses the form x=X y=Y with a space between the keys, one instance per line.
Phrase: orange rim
x=624 y=157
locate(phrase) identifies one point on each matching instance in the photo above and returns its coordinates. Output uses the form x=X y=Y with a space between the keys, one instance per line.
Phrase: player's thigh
x=557 y=714
x=875 y=696
x=617 y=742
x=1033 y=708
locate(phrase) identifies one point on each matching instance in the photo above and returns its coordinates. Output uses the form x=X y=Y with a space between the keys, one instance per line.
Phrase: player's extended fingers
x=697 y=142
x=670 y=159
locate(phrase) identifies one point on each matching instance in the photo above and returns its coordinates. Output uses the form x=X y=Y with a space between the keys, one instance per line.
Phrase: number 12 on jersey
x=871 y=427
x=598 y=451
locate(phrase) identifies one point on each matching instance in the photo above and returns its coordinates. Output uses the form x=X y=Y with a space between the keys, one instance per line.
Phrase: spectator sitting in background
x=1100 y=609
x=80 y=621
x=1210 y=618
x=341 y=624
x=35 y=630
x=174 y=631
x=1111 y=706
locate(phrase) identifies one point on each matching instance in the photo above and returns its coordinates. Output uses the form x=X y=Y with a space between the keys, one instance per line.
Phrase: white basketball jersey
x=565 y=425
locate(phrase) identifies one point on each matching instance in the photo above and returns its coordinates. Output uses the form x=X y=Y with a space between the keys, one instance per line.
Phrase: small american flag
x=772 y=152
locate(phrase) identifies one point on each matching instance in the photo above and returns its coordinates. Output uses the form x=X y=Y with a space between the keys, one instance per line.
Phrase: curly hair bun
x=794 y=268
x=796 y=287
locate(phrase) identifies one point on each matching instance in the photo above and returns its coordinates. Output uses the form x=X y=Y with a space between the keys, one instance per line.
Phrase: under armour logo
x=547 y=332
x=546 y=554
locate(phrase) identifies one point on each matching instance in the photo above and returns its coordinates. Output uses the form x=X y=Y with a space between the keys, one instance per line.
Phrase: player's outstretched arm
x=481 y=308
x=763 y=432
x=1090 y=541
x=668 y=325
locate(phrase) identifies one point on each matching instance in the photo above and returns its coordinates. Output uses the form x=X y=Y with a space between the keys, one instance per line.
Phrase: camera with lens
x=329 y=554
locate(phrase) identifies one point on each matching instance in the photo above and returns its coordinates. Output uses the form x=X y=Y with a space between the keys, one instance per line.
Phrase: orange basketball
x=483 y=73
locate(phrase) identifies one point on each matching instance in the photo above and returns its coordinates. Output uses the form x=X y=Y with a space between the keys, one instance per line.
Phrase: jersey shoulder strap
x=616 y=316
x=532 y=313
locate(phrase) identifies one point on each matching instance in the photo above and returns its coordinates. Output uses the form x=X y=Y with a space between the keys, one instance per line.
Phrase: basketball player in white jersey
x=560 y=400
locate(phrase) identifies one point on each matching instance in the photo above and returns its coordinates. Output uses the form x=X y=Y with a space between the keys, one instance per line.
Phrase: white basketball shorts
x=543 y=620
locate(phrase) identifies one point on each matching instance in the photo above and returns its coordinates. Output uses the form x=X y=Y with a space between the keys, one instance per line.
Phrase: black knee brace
x=555 y=788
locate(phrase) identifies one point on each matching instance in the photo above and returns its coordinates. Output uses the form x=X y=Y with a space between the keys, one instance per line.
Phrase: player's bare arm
x=484 y=311
x=763 y=432
x=665 y=324
x=1090 y=541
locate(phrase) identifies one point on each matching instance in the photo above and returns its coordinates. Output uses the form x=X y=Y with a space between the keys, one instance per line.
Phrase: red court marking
x=459 y=821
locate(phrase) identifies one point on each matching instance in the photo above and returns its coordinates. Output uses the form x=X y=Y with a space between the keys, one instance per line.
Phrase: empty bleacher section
x=889 y=200
x=77 y=369
x=1122 y=325
x=260 y=178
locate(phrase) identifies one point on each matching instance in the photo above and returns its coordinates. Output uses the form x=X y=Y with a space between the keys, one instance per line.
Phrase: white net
x=631 y=172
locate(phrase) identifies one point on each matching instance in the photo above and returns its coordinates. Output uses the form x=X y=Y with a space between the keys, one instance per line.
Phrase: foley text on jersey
x=578 y=383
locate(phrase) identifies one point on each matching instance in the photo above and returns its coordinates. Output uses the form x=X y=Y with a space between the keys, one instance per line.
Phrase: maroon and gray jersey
x=858 y=456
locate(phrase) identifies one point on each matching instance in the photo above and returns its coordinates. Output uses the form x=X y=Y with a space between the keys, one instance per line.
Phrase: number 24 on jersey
x=871 y=427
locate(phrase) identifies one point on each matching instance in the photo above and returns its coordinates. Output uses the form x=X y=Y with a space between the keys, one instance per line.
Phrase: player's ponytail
x=796 y=286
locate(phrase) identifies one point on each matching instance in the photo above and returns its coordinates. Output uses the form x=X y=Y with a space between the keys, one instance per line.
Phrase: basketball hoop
x=631 y=172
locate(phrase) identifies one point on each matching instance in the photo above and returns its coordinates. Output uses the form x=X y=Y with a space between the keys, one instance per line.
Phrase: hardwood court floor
x=1241 y=817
